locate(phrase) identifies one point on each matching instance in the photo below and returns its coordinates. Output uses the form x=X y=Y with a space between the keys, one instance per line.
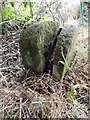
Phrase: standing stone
x=36 y=43
x=65 y=48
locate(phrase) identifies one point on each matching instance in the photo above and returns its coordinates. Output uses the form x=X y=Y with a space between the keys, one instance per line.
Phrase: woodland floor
x=23 y=94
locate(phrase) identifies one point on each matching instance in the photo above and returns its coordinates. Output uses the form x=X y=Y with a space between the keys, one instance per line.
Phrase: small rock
x=86 y=99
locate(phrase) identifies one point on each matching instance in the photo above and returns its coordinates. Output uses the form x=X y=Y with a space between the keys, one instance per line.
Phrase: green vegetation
x=74 y=88
x=19 y=11
x=17 y=14
x=65 y=64
x=23 y=92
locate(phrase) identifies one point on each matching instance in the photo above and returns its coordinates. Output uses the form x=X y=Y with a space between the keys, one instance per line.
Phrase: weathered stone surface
x=36 y=43
x=65 y=48
x=33 y=44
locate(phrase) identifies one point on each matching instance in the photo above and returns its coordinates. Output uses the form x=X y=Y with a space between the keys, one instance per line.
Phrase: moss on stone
x=35 y=40
x=32 y=41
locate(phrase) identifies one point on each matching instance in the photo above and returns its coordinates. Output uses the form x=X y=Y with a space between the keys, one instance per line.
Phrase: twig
x=43 y=8
x=5 y=61
x=31 y=12
x=50 y=87
x=81 y=66
x=8 y=55
x=63 y=54
x=6 y=21
x=50 y=10
x=38 y=102
x=4 y=108
x=20 y=108
x=11 y=92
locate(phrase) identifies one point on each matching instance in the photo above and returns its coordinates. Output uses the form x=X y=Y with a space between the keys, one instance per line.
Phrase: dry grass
x=24 y=94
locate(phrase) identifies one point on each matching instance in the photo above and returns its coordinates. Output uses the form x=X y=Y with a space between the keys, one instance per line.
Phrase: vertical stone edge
x=89 y=53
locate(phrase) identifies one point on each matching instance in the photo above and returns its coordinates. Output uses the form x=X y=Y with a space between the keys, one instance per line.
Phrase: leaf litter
x=24 y=94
